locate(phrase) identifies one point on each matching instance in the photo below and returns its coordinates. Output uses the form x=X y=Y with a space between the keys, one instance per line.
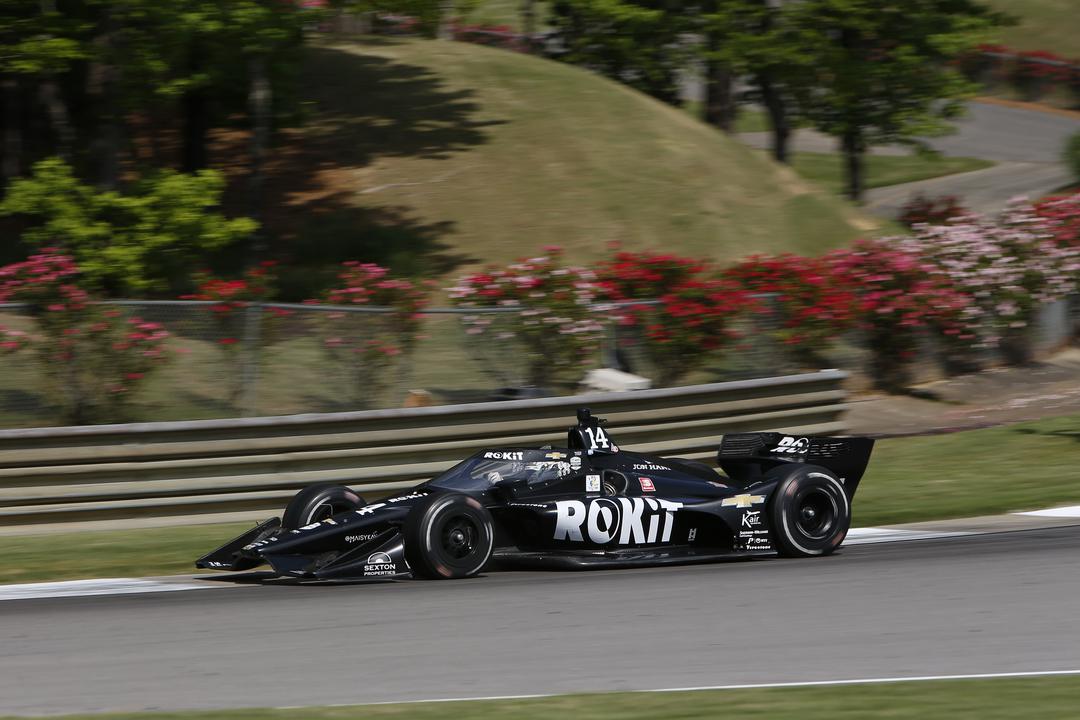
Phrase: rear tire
x=317 y=503
x=447 y=536
x=810 y=512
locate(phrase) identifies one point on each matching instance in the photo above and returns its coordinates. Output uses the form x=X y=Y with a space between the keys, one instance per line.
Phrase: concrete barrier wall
x=218 y=470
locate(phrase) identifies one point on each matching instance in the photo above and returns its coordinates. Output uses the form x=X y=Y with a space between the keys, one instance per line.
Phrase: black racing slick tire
x=810 y=511
x=448 y=536
x=318 y=502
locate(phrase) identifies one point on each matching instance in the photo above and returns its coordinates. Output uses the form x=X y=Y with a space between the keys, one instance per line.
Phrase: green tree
x=147 y=239
x=881 y=72
x=638 y=42
x=264 y=32
x=36 y=44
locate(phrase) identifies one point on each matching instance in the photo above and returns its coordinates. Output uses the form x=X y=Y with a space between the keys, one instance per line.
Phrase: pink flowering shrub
x=1060 y=216
x=231 y=299
x=12 y=341
x=1008 y=266
x=371 y=348
x=548 y=321
x=899 y=296
x=93 y=358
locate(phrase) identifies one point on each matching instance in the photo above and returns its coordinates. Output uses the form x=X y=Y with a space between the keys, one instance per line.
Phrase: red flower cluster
x=694 y=313
x=646 y=275
x=1041 y=65
x=502 y=36
x=923 y=210
x=810 y=306
x=229 y=296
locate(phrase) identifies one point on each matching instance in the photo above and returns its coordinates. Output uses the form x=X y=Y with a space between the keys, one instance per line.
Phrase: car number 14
x=597 y=439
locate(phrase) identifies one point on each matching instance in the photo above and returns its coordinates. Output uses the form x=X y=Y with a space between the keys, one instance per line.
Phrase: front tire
x=810 y=511
x=317 y=503
x=448 y=536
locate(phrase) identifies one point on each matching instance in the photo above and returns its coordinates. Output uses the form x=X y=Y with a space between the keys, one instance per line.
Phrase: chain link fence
x=279 y=359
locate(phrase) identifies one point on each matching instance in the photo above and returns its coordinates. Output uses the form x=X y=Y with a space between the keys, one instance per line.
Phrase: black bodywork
x=589 y=504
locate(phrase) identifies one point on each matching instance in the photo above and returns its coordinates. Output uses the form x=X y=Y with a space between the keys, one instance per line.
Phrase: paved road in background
x=1026 y=144
x=992 y=603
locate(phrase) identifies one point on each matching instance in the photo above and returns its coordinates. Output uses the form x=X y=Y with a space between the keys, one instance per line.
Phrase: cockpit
x=483 y=471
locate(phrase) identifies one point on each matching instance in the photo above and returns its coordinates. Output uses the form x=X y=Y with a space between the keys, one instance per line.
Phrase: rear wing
x=745 y=457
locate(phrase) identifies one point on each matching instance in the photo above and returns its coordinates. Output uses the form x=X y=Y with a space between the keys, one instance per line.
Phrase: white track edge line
x=699 y=688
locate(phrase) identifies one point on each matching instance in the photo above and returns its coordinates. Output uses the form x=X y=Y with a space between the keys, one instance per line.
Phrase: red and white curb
x=133 y=586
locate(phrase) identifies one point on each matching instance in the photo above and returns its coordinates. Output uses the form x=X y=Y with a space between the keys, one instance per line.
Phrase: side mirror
x=507 y=485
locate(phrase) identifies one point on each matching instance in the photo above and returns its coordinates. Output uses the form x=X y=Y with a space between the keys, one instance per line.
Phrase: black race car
x=590 y=504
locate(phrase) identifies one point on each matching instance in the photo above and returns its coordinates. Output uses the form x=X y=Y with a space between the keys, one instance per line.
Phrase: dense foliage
x=146 y=239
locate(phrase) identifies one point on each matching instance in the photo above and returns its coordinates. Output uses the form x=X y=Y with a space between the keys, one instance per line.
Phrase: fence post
x=249 y=380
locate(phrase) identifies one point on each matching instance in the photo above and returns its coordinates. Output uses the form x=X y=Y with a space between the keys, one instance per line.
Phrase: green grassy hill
x=433 y=156
x=1052 y=25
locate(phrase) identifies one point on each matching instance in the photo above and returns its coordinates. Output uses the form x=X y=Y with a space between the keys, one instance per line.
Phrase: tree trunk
x=719 y=96
x=11 y=165
x=781 y=129
x=59 y=118
x=259 y=104
x=854 y=148
x=445 y=30
x=196 y=117
x=528 y=22
x=104 y=76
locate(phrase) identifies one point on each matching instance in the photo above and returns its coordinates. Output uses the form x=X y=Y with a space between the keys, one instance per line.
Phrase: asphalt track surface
x=995 y=603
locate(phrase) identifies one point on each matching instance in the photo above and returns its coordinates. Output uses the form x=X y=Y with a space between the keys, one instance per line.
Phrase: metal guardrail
x=218 y=470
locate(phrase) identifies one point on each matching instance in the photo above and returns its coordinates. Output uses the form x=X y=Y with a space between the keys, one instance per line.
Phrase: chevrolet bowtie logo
x=556 y=455
x=743 y=501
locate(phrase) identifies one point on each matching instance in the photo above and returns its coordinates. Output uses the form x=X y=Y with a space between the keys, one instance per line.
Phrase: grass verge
x=826 y=169
x=990 y=699
x=978 y=472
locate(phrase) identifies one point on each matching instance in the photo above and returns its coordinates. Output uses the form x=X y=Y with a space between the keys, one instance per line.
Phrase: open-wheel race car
x=589 y=504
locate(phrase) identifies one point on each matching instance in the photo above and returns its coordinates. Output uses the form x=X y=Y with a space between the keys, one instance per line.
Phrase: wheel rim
x=815 y=514
x=459 y=537
x=326 y=510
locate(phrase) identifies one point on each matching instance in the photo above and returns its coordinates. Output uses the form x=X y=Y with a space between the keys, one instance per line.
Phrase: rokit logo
x=792 y=446
x=379 y=563
x=504 y=455
x=627 y=521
